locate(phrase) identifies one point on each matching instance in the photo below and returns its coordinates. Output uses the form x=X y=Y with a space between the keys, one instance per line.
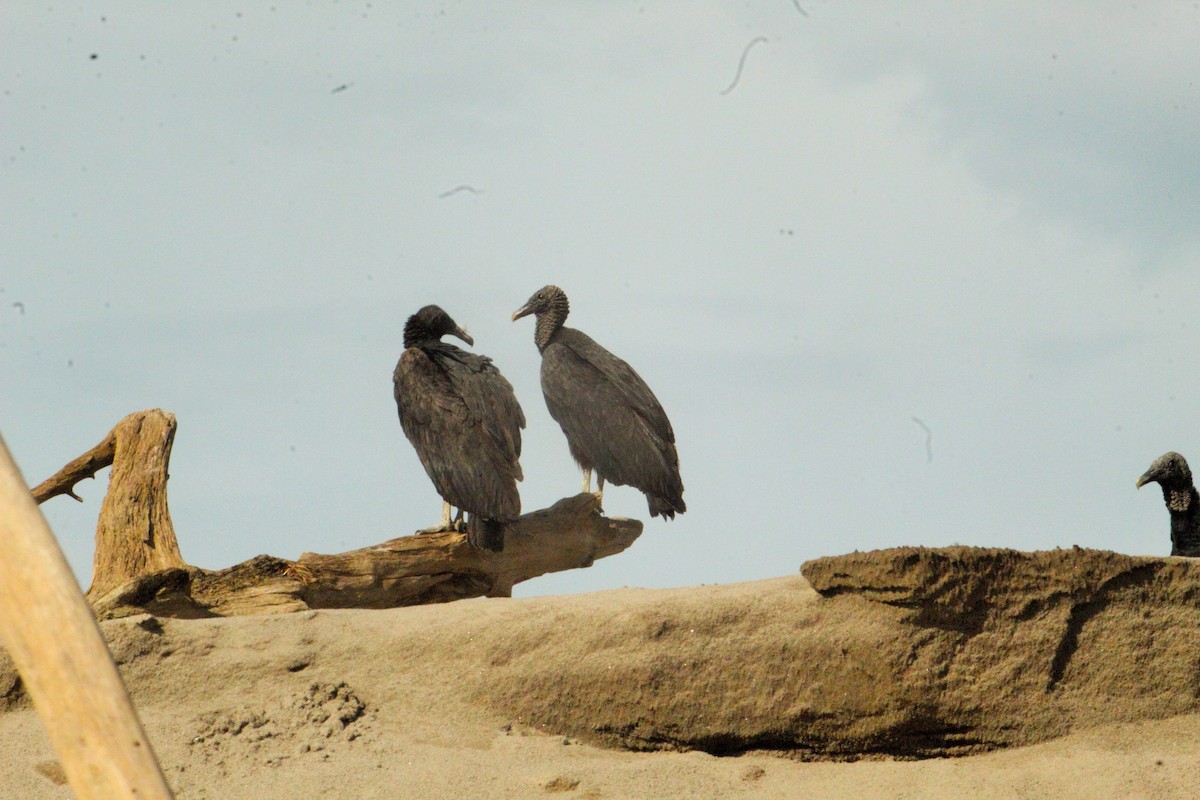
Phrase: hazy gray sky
x=984 y=217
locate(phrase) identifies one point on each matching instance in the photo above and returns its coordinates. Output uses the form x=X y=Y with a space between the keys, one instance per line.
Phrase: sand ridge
x=548 y=696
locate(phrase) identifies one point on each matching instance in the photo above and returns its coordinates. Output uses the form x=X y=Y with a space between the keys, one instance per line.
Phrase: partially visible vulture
x=462 y=417
x=1171 y=473
x=613 y=422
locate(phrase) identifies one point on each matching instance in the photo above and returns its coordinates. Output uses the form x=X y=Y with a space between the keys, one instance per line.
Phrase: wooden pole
x=56 y=644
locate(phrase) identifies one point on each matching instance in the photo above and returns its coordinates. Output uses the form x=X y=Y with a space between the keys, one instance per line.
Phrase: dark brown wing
x=490 y=399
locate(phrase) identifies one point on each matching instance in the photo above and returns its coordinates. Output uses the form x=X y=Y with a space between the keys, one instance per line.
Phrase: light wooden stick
x=55 y=642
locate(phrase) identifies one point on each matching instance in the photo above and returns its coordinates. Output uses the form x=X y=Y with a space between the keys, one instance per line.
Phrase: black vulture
x=462 y=417
x=1170 y=471
x=613 y=422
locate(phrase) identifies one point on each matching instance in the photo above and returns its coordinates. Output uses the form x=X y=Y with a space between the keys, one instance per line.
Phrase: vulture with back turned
x=613 y=422
x=1170 y=471
x=464 y=421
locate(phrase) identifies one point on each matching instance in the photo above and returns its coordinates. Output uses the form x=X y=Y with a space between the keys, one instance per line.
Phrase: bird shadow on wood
x=138 y=567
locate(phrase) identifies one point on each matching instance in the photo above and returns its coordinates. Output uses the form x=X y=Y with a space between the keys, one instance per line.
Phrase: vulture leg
x=587 y=480
x=599 y=488
x=444 y=525
x=459 y=525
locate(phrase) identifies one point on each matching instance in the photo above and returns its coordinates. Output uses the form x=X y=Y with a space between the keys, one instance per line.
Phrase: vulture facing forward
x=464 y=421
x=1170 y=471
x=613 y=422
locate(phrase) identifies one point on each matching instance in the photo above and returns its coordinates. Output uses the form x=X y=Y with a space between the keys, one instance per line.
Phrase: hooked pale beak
x=523 y=311
x=461 y=334
x=1147 y=477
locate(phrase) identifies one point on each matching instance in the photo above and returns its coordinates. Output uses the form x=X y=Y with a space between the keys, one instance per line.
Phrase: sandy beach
x=447 y=701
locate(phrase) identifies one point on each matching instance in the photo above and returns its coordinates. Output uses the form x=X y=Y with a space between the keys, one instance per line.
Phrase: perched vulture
x=613 y=422
x=1171 y=473
x=464 y=421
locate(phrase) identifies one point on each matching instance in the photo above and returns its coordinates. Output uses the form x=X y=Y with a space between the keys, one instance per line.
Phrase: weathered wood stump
x=134 y=535
x=138 y=567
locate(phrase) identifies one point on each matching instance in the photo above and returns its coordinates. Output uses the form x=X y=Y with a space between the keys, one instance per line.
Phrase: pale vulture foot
x=445 y=524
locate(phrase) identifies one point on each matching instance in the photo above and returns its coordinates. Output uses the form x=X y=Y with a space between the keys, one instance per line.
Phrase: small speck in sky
x=928 y=439
x=742 y=63
x=462 y=187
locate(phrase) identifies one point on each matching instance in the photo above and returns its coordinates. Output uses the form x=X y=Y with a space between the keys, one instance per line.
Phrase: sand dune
x=550 y=696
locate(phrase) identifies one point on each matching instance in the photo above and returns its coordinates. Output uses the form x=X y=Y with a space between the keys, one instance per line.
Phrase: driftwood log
x=55 y=643
x=138 y=567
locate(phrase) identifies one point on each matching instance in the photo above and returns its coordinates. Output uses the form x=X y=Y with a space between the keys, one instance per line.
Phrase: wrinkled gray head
x=430 y=324
x=545 y=300
x=1169 y=470
x=550 y=305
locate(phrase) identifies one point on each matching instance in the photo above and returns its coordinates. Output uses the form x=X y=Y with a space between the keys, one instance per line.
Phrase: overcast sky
x=816 y=230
